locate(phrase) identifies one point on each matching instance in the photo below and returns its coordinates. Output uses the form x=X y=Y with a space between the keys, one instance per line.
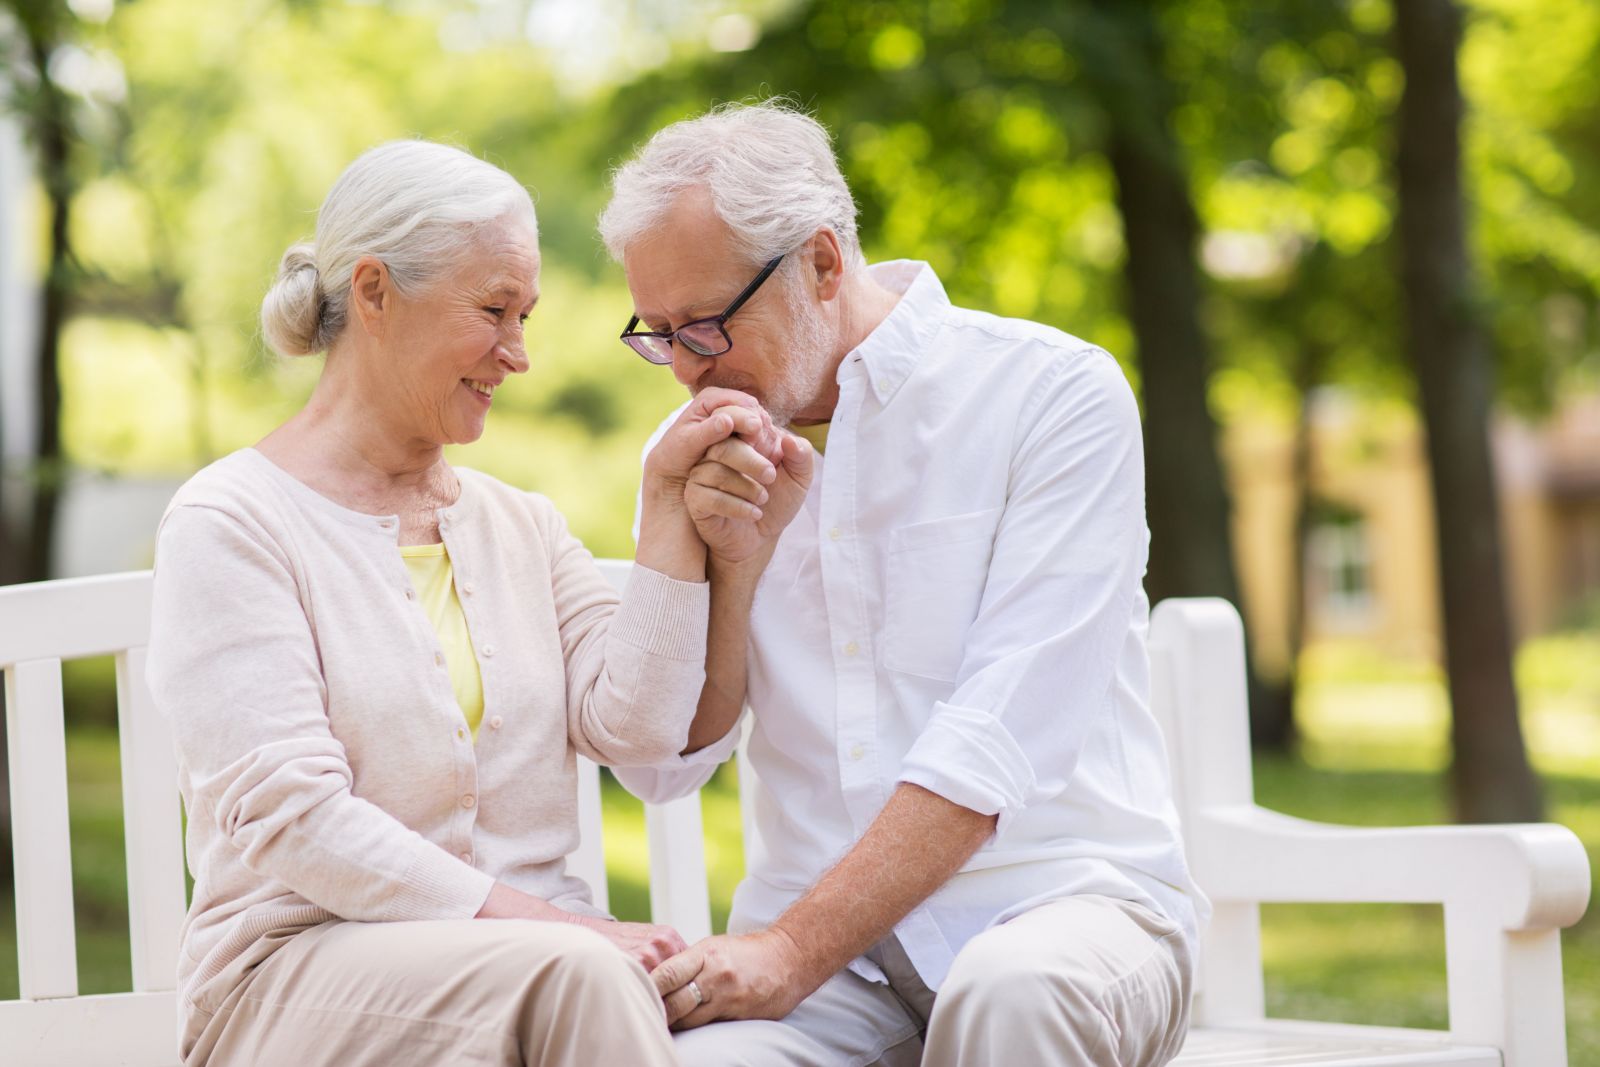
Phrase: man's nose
x=687 y=364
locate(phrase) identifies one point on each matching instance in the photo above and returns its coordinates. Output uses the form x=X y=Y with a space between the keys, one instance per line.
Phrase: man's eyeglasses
x=705 y=337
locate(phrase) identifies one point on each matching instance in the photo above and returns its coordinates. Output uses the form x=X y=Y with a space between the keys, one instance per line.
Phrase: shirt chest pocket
x=934 y=583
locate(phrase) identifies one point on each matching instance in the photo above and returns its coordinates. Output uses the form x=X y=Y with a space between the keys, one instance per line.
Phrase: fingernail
x=763 y=498
x=755 y=512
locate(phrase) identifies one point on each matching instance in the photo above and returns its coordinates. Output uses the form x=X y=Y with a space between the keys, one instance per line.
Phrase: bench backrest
x=1196 y=649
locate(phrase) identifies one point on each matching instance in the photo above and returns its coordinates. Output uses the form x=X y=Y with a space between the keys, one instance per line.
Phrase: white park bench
x=1506 y=891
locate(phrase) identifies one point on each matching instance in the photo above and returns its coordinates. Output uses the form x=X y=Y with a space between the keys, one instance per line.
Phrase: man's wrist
x=739 y=572
x=804 y=967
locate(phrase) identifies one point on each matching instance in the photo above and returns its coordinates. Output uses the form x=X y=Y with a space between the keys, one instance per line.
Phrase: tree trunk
x=1449 y=350
x=1191 y=551
x=51 y=138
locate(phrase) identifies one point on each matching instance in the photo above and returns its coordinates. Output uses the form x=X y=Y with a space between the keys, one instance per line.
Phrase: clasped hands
x=739 y=477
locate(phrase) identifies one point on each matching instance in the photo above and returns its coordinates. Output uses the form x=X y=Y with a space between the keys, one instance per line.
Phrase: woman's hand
x=668 y=540
x=646 y=942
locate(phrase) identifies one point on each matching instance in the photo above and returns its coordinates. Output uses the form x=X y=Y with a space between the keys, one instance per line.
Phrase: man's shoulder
x=979 y=347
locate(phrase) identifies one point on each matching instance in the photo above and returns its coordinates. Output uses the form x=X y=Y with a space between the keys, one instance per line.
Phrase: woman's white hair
x=415 y=205
x=769 y=169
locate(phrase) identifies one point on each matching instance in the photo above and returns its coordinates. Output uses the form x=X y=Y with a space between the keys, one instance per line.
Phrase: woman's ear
x=371 y=294
x=827 y=259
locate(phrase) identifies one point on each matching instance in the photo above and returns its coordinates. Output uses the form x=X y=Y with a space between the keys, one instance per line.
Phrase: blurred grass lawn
x=1373 y=752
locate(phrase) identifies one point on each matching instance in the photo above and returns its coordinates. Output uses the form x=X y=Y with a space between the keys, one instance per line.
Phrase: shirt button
x=411 y=594
x=466 y=857
x=488 y=650
x=469 y=802
x=461 y=733
x=496 y=722
x=833 y=534
x=856 y=752
x=851 y=649
x=438 y=659
x=466 y=589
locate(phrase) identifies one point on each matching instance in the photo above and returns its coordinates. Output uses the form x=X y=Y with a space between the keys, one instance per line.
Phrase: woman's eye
x=496 y=312
x=522 y=317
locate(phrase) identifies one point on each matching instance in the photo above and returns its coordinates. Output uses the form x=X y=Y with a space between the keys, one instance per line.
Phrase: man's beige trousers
x=1086 y=981
x=506 y=993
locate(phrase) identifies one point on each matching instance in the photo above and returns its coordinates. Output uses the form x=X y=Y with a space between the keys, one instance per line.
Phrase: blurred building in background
x=1369 y=568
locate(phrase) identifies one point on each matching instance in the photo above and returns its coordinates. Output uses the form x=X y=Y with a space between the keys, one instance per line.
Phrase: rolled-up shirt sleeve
x=234 y=665
x=1039 y=663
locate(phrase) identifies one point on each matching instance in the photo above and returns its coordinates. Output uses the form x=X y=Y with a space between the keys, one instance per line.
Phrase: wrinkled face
x=687 y=267
x=452 y=345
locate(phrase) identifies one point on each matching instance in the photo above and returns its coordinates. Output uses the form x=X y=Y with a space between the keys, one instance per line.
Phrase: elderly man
x=968 y=852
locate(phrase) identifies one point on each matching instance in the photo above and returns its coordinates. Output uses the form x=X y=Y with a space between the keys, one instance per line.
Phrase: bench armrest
x=1528 y=877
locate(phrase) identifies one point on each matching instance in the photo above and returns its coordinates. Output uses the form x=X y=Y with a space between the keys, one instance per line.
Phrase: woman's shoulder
x=238 y=483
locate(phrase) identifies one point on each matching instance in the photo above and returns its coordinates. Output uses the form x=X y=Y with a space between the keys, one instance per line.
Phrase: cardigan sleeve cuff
x=663 y=616
x=439 y=886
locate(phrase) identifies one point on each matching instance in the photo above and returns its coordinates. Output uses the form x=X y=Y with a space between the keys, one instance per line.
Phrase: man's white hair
x=770 y=172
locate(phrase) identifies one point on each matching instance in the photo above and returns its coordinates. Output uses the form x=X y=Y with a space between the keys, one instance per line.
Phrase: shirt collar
x=893 y=349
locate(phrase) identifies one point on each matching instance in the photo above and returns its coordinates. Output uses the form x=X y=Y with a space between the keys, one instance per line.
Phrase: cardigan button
x=488 y=650
x=496 y=722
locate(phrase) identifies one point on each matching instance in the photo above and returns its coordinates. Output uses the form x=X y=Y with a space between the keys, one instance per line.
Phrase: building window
x=1339 y=569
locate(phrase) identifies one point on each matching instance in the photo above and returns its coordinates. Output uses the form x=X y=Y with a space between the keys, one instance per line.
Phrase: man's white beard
x=811 y=341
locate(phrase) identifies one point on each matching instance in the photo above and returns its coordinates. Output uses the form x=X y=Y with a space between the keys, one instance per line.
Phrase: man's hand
x=713 y=415
x=746 y=976
x=741 y=499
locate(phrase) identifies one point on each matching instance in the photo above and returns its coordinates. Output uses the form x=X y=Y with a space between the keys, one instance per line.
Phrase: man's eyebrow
x=705 y=309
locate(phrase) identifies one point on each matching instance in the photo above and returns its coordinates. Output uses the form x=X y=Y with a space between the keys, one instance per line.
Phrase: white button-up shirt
x=959 y=605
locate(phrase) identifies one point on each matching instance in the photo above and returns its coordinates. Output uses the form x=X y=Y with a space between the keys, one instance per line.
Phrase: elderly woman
x=380 y=668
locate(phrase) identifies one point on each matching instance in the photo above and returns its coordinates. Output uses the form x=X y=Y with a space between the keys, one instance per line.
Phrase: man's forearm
x=913 y=847
x=733 y=590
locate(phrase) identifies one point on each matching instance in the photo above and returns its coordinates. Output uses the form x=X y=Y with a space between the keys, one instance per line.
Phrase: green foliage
x=971 y=130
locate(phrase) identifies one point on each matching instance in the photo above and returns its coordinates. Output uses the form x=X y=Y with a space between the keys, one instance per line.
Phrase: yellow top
x=434 y=582
x=817 y=435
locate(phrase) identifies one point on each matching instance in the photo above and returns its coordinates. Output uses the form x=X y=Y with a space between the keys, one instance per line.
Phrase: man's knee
x=994 y=981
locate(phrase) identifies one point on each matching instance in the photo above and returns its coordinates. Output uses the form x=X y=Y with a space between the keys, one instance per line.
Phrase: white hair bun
x=291 y=314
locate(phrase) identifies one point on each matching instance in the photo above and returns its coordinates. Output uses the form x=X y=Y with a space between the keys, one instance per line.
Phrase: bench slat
x=589 y=861
x=680 y=896
x=152 y=829
x=72 y=618
x=122 y=1029
x=1285 y=1043
x=47 y=952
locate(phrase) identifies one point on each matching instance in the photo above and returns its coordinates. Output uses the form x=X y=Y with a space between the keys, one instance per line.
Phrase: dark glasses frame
x=704 y=337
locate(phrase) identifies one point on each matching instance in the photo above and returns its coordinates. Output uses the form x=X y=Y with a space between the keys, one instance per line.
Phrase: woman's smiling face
x=450 y=346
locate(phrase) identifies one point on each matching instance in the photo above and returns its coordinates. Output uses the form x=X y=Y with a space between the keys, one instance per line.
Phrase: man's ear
x=827 y=259
x=371 y=294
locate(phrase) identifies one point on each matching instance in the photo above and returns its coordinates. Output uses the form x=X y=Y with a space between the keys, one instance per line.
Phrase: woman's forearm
x=733 y=589
x=668 y=543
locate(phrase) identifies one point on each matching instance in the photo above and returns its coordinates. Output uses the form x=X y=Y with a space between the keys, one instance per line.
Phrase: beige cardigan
x=323 y=760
